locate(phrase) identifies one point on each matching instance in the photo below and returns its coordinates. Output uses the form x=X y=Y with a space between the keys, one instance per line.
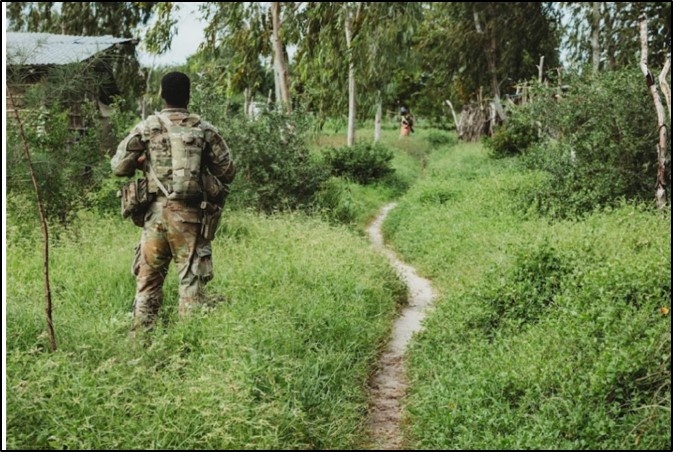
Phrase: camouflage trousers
x=171 y=232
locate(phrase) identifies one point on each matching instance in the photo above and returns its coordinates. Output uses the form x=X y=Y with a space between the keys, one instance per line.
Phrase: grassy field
x=282 y=363
x=545 y=335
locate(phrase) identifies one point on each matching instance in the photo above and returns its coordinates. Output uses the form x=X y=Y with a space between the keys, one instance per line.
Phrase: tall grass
x=282 y=363
x=355 y=205
x=545 y=335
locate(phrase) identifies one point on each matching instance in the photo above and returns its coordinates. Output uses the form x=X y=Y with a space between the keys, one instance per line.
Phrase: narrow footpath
x=388 y=384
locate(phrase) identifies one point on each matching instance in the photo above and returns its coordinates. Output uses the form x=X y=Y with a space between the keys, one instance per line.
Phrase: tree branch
x=43 y=223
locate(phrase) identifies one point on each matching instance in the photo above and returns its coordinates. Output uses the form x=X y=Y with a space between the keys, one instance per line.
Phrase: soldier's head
x=175 y=89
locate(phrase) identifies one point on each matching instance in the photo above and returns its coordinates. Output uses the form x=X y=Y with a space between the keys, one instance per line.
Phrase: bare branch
x=43 y=223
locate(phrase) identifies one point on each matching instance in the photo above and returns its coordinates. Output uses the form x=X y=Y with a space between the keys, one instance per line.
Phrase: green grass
x=282 y=364
x=356 y=205
x=545 y=335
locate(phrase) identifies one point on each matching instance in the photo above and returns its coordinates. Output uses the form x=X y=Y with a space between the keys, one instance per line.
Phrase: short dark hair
x=175 y=89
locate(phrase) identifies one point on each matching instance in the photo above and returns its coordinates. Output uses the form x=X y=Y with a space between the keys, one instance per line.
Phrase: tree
x=661 y=117
x=368 y=41
x=391 y=56
x=617 y=45
x=118 y=19
x=279 y=60
x=467 y=46
x=251 y=33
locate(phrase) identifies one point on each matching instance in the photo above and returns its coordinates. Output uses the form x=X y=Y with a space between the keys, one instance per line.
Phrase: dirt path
x=388 y=385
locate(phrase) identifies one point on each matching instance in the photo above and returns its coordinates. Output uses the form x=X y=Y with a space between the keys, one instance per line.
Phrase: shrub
x=438 y=138
x=596 y=141
x=336 y=202
x=363 y=162
x=514 y=137
x=523 y=295
x=275 y=168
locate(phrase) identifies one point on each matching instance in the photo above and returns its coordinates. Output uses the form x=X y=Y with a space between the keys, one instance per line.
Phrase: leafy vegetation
x=274 y=165
x=364 y=162
x=591 y=160
x=546 y=334
x=69 y=164
x=552 y=324
x=279 y=364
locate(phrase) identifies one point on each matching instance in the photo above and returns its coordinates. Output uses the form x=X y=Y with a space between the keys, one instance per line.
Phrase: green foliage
x=276 y=171
x=456 y=41
x=619 y=40
x=68 y=164
x=438 y=138
x=72 y=166
x=344 y=201
x=545 y=335
x=363 y=162
x=518 y=134
x=281 y=364
x=592 y=160
x=337 y=202
x=527 y=291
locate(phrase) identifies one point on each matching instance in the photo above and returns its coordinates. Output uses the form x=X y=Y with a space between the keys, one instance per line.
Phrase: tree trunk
x=146 y=94
x=352 y=102
x=43 y=224
x=246 y=102
x=661 y=119
x=595 y=36
x=490 y=50
x=610 y=47
x=377 y=121
x=455 y=119
x=280 y=63
x=664 y=84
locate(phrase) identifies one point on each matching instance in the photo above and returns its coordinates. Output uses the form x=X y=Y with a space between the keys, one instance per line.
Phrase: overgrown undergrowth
x=280 y=364
x=547 y=335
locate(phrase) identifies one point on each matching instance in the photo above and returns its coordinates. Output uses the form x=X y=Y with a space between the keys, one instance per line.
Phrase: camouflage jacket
x=216 y=156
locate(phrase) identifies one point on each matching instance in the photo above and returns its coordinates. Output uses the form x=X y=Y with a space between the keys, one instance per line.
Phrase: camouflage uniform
x=172 y=226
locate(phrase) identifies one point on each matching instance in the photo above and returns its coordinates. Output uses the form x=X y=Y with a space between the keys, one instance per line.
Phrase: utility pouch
x=214 y=190
x=135 y=200
x=210 y=219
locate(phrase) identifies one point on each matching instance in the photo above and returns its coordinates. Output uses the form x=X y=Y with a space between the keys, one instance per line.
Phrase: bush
x=523 y=295
x=514 y=137
x=594 y=158
x=364 y=163
x=275 y=168
x=438 y=138
x=335 y=202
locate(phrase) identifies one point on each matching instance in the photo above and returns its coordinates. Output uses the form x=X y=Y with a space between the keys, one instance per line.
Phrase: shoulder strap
x=156 y=179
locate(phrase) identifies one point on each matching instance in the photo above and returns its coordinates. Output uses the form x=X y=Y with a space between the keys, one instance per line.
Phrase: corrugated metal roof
x=45 y=48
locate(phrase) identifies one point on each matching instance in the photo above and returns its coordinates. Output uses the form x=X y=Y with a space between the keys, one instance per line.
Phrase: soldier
x=187 y=164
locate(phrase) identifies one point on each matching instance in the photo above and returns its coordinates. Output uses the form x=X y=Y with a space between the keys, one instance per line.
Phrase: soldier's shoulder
x=151 y=122
x=205 y=125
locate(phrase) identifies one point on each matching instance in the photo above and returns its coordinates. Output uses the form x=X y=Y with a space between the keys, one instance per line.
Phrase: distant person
x=407 y=122
x=188 y=167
